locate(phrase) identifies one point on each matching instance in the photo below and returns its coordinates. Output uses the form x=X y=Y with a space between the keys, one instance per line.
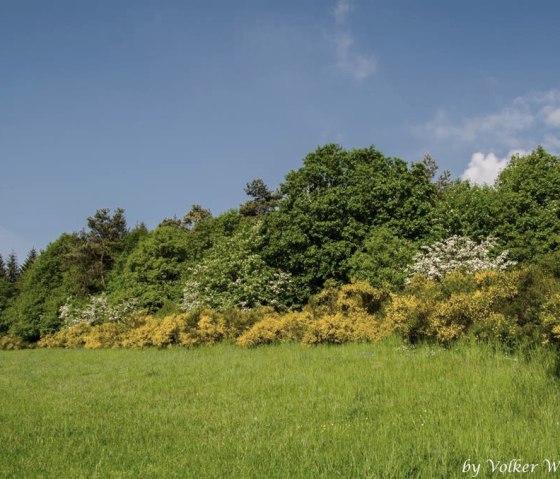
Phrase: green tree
x=154 y=269
x=465 y=210
x=3 y=270
x=383 y=260
x=430 y=165
x=232 y=274
x=196 y=215
x=263 y=199
x=42 y=290
x=528 y=205
x=331 y=203
x=29 y=260
x=97 y=250
x=12 y=268
x=6 y=292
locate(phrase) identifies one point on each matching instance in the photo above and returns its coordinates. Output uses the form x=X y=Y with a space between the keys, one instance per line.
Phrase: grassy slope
x=288 y=411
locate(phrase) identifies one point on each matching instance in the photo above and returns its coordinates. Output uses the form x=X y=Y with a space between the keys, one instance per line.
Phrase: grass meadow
x=358 y=410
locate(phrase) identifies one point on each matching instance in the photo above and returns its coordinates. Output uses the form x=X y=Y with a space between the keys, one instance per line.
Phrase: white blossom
x=458 y=253
x=96 y=311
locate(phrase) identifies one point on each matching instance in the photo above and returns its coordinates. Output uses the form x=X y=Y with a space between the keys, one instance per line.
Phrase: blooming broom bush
x=277 y=329
x=486 y=305
x=550 y=317
x=342 y=328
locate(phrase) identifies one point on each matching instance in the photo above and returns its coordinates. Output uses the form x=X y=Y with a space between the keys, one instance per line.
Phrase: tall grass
x=361 y=410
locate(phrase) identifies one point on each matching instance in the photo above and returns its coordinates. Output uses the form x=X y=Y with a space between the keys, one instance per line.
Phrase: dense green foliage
x=331 y=204
x=360 y=410
x=345 y=215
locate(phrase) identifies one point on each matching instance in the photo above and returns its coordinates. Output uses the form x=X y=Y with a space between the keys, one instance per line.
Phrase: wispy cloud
x=341 y=10
x=526 y=121
x=349 y=60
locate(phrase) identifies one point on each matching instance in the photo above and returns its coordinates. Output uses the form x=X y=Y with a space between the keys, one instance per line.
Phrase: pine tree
x=430 y=165
x=31 y=257
x=3 y=271
x=264 y=199
x=12 y=268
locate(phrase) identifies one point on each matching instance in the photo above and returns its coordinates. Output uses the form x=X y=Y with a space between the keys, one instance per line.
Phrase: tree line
x=343 y=216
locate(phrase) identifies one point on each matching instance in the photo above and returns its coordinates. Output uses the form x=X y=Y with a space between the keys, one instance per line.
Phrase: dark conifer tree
x=12 y=268
x=3 y=271
x=31 y=257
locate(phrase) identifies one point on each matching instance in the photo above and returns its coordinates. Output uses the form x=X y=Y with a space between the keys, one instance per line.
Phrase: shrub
x=550 y=317
x=498 y=328
x=210 y=329
x=357 y=297
x=451 y=318
x=155 y=332
x=96 y=311
x=275 y=329
x=233 y=275
x=408 y=316
x=341 y=328
x=458 y=253
x=105 y=336
x=12 y=343
x=71 y=337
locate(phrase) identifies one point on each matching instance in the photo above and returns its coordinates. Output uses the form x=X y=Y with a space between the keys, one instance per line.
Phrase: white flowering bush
x=96 y=311
x=458 y=253
x=233 y=275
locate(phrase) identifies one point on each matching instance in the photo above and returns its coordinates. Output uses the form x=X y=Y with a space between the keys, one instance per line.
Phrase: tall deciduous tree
x=528 y=205
x=331 y=203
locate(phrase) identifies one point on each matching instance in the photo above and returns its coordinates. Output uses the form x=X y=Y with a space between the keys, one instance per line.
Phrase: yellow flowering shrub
x=237 y=321
x=159 y=333
x=275 y=329
x=359 y=297
x=341 y=328
x=72 y=337
x=104 y=336
x=454 y=316
x=550 y=318
x=499 y=327
x=513 y=307
x=12 y=343
x=210 y=329
x=409 y=316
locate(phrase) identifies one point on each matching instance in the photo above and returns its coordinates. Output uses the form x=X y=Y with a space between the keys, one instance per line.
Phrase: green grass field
x=378 y=410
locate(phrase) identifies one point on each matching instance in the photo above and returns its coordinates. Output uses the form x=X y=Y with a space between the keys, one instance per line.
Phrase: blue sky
x=155 y=105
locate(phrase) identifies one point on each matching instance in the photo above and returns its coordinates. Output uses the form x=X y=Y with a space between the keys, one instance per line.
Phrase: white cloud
x=349 y=60
x=484 y=169
x=525 y=122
